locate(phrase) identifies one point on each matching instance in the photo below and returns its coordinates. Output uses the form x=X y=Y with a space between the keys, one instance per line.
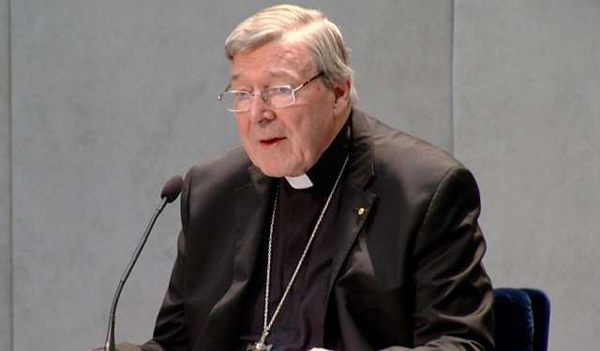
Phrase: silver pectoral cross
x=260 y=344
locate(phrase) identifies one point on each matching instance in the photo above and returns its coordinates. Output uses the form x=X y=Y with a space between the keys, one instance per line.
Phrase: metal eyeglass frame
x=263 y=94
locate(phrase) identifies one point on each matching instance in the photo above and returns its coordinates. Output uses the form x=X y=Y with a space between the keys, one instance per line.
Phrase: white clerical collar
x=300 y=182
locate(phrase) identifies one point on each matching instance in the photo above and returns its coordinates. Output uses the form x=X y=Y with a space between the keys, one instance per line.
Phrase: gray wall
x=111 y=98
x=527 y=121
x=5 y=238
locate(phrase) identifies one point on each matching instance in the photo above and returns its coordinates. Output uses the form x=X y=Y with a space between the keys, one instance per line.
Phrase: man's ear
x=342 y=97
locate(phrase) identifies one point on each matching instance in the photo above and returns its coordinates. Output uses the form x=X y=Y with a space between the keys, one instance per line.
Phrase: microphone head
x=172 y=188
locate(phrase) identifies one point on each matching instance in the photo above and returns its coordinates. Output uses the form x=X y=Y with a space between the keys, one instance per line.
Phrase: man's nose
x=260 y=110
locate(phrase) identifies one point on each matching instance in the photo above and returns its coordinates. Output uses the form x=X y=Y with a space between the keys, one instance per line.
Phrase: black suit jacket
x=406 y=273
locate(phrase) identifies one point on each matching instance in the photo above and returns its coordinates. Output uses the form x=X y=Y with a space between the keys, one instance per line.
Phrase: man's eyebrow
x=273 y=74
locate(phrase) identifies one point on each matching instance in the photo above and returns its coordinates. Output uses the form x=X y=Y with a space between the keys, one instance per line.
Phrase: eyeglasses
x=276 y=97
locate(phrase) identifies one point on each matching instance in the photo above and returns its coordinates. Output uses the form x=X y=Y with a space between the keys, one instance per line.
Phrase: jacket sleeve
x=170 y=331
x=454 y=297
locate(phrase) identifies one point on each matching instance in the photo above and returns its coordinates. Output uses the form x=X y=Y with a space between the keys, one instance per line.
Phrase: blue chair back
x=522 y=319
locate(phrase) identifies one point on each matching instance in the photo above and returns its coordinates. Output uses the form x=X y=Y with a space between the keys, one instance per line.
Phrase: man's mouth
x=271 y=141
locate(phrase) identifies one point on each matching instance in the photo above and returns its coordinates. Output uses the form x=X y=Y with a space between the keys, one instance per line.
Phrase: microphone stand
x=110 y=336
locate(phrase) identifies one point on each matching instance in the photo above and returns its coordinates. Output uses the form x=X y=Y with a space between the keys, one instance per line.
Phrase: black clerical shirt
x=300 y=324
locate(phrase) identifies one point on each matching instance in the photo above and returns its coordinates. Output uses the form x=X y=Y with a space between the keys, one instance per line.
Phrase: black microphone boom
x=168 y=194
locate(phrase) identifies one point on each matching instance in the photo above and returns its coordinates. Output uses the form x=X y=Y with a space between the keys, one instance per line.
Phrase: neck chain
x=267 y=324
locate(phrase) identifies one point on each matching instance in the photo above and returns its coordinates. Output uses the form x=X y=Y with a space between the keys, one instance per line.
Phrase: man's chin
x=274 y=173
x=279 y=171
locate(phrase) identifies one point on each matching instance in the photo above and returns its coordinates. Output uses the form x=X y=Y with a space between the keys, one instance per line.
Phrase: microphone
x=168 y=194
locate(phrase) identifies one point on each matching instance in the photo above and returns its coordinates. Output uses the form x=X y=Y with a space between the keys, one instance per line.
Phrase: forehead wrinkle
x=277 y=59
x=295 y=62
x=287 y=63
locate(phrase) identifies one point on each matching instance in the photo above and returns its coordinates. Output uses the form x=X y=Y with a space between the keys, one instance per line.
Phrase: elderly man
x=328 y=229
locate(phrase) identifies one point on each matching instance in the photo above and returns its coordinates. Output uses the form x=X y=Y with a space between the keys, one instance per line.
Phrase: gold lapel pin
x=361 y=211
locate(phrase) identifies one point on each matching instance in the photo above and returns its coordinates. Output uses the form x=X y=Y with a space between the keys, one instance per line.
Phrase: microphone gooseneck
x=168 y=194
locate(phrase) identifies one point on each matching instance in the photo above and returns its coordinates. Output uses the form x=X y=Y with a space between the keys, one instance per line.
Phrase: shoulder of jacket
x=230 y=170
x=402 y=156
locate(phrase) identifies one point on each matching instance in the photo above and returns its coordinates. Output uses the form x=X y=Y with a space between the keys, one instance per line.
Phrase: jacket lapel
x=251 y=204
x=354 y=210
x=356 y=202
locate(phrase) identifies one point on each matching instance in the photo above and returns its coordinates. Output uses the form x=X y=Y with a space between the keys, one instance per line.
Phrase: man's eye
x=240 y=95
x=279 y=90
